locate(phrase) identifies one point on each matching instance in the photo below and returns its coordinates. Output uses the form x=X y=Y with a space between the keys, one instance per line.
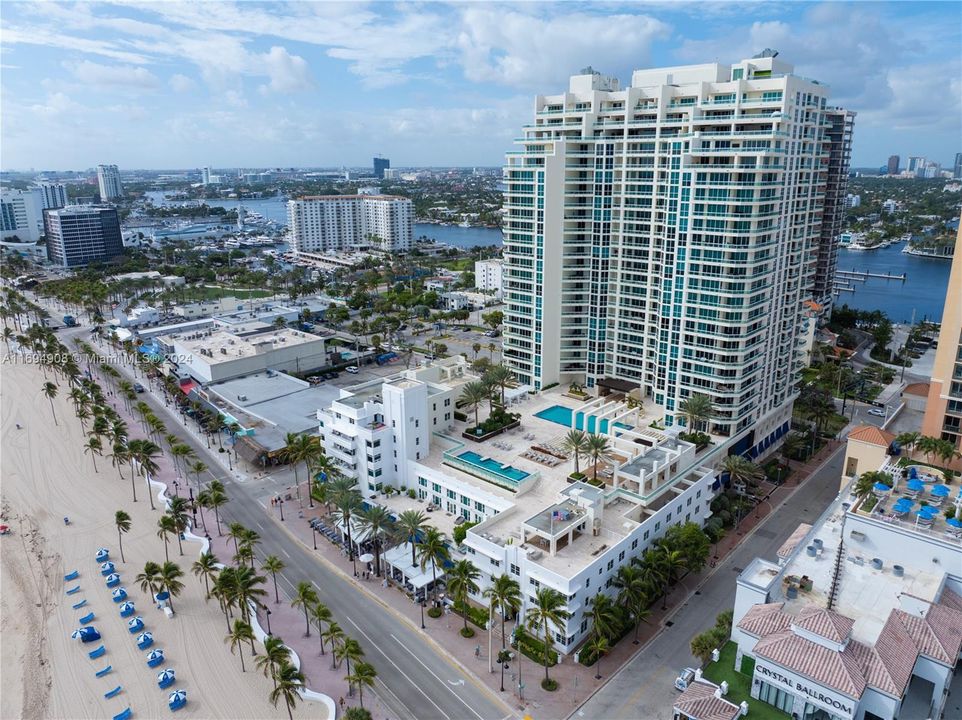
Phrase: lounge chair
x=73 y=590
x=114 y=692
x=101 y=673
x=97 y=652
x=125 y=715
x=71 y=576
x=77 y=606
x=88 y=618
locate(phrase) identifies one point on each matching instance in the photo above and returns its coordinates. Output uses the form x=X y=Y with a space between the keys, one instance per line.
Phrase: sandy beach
x=46 y=674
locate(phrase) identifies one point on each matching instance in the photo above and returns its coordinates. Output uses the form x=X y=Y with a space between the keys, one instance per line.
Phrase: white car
x=685 y=678
x=353 y=370
x=877 y=412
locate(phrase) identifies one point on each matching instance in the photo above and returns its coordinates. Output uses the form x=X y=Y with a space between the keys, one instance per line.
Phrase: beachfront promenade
x=416 y=677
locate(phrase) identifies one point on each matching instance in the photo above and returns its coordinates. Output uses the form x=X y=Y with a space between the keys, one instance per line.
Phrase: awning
x=251 y=450
x=399 y=557
x=186 y=387
x=618 y=385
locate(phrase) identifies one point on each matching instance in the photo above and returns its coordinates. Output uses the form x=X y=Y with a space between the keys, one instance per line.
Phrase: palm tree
x=378 y=522
x=633 y=594
x=347 y=501
x=409 y=525
x=793 y=445
x=143 y=453
x=462 y=582
x=293 y=453
x=504 y=594
x=216 y=498
x=473 y=394
x=908 y=440
x=118 y=456
x=696 y=410
x=334 y=635
x=547 y=610
x=672 y=563
x=500 y=376
x=165 y=527
x=742 y=470
x=362 y=677
x=289 y=681
x=275 y=655
x=122 y=521
x=249 y=542
x=207 y=567
x=223 y=590
x=598 y=646
x=576 y=443
x=321 y=615
x=235 y=532
x=50 y=391
x=94 y=447
x=434 y=550
x=169 y=577
x=603 y=616
x=178 y=510
x=149 y=579
x=273 y=565
x=197 y=468
x=305 y=597
x=599 y=450
x=240 y=633
x=348 y=650
x=247 y=589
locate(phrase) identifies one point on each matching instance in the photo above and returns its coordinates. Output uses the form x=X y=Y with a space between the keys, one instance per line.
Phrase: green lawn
x=740 y=683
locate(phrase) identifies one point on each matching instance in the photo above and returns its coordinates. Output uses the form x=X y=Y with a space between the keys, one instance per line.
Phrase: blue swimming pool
x=562 y=416
x=509 y=473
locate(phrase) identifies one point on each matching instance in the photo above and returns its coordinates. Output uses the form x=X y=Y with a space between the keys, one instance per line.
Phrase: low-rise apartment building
x=534 y=522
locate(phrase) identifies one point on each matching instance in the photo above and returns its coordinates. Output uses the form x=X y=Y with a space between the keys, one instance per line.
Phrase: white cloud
x=181 y=83
x=523 y=50
x=288 y=73
x=126 y=76
x=37 y=35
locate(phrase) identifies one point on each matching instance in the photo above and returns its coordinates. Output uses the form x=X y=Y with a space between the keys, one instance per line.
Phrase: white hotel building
x=326 y=223
x=534 y=524
x=667 y=234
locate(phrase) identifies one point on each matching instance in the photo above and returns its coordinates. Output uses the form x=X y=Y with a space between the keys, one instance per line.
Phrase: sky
x=245 y=84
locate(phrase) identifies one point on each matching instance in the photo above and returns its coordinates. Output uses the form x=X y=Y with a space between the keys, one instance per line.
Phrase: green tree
x=122 y=522
x=408 y=527
x=633 y=594
x=547 y=610
x=462 y=582
x=321 y=615
x=50 y=392
x=473 y=394
x=603 y=616
x=94 y=447
x=149 y=579
x=207 y=567
x=169 y=578
x=503 y=594
x=273 y=565
x=165 y=528
x=599 y=450
x=379 y=523
x=241 y=632
x=697 y=410
x=742 y=471
x=289 y=681
x=275 y=655
x=305 y=597
x=576 y=443
x=433 y=549
x=598 y=646
x=362 y=677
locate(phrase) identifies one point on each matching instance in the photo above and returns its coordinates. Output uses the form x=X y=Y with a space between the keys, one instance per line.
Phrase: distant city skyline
x=247 y=85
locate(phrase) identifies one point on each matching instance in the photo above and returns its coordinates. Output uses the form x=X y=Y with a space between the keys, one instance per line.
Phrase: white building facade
x=488 y=274
x=667 y=234
x=345 y=222
x=108 y=179
x=52 y=194
x=21 y=215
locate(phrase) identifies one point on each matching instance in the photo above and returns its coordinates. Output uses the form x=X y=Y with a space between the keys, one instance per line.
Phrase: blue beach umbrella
x=155 y=657
x=940 y=491
x=954 y=522
x=881 y=487
x=915 y=485
x=103 y=555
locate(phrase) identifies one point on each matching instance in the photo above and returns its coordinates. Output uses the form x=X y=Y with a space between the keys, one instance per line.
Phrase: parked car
x=139 y=388
x=353 y=370
x=877 y=412
x=685 y=678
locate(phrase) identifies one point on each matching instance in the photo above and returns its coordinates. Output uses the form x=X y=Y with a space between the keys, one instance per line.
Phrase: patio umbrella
x=119 y=595
x=177 y=699
x=954 y=522
x=155 y=657
x=106 y=568
x=913 y=472
x=915 y=485
x=940 y=491
x=127 y=609
x=904 y=504
x=366 y=557
x=103 y=554
x=166 y=678
x=881 y=487
x=145 y=640
x=135 y=624
x=927 y=512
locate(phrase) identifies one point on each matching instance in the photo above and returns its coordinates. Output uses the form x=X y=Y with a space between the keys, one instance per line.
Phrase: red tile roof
x=800 y=532
x=872 y=435
x=838 y=670
x=825 y=623
x=765 y=619
x=699 y=702
x=937 y=635
x=951 y=599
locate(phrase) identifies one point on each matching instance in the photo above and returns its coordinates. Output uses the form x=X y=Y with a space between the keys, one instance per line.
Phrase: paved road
x=414 y=680
x=644 y=687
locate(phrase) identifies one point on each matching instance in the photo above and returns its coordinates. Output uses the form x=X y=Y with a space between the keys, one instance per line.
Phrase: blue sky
x=176 y=85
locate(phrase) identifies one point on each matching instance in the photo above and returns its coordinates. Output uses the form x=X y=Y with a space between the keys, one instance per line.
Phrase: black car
x=139 y=388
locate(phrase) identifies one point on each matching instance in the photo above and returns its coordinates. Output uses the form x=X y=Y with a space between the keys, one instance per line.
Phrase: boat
x=464 y=223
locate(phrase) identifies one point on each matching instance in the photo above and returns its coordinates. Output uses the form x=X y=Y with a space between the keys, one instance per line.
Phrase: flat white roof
x=225 y=346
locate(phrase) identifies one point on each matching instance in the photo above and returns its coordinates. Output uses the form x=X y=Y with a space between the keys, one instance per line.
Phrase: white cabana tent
x=397 y=560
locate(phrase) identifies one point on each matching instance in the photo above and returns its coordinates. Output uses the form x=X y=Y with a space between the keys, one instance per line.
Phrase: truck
x=69 y=321
x=385 y=358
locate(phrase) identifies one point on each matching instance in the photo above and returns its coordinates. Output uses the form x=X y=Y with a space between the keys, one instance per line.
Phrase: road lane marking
x=286 y=554
x=413 y=684
x=443 y=684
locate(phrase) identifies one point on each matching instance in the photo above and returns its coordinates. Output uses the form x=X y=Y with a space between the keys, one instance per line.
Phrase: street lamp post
x=268 y=621
x=422 y=603
x=280 y=504
x=314 y=535
x=503 y=657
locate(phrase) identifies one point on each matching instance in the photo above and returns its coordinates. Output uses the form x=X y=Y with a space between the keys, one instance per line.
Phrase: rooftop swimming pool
x=562 y=416
x=510 y=474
